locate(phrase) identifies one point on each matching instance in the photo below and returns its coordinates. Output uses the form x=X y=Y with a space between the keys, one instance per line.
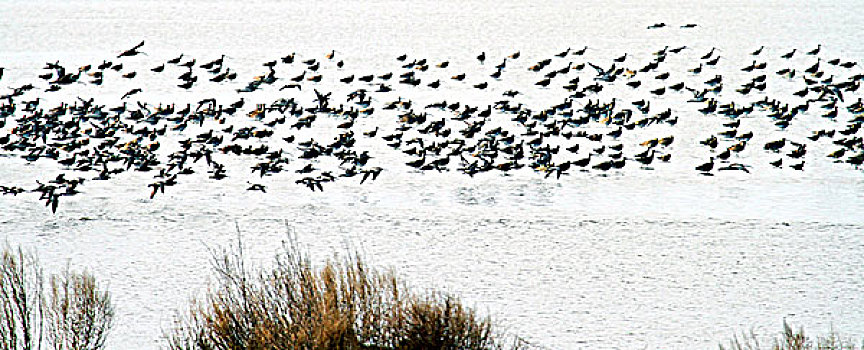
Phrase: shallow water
x=661 y=258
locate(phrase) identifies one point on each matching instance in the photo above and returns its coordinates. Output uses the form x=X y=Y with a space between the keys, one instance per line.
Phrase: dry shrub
x=80 y=315
x=74 y=315
x=792 y=340
x=342 y=305
x=21 y=282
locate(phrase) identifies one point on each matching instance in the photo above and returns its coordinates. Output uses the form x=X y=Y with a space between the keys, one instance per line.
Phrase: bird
x=735 y=166
x=81 y=135
x=130 y=93
x=132 y=52
x=814 y=68
x=175 y=60
x=799 y=166
x=256 y=187
x=758 y=51
x=563 y=53
x=706 y=167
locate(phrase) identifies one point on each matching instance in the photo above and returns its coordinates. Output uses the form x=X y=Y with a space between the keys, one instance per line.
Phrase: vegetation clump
x=344 y=304
x=67 y=312
x=792 y=340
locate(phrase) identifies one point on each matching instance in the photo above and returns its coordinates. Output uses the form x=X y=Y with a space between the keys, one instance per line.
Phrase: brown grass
x=343 y=305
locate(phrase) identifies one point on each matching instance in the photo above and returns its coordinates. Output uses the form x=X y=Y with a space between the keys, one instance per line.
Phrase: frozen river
x=657 y=258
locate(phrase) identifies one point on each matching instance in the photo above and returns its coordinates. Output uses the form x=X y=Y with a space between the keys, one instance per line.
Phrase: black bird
x=482 y=57
x=838 y=153
x=696 y=70
x=736 y=166
x=814 y=68
x=189 y=64
x=777 y=163
x=302 y=76
x=775 y=145
x=757 y=52
x=799 y=166
x=707 y=166
x=130 y=93
x=373 y=171
x=175 y=60
x=188 y=83
x=256 y=187
x=133 y=51
x=714 y=61
x=564 y=53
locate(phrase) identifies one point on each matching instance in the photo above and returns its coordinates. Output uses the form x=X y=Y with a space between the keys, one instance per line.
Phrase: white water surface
x=656 y=259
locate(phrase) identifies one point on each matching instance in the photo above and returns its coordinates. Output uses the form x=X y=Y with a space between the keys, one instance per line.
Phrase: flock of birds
x=101 y=136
